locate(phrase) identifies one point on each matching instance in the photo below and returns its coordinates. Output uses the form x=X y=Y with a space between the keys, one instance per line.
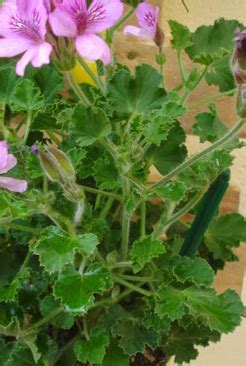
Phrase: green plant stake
x=205 y=214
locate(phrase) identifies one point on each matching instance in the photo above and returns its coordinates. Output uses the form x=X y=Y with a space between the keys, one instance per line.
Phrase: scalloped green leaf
x=89 y=125
x=143 y=250
x=140 y=93
x=93 y=350
x=56 y=248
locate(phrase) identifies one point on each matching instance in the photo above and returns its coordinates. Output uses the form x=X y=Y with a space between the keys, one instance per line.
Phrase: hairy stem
x=202 y=154
x=125 y=220
x=143 y=219
x=94 y=77
x=104 y=193
x=77 y=90
x=3 y=130
x=211 y=98
x=131 y=286
x=28 y=126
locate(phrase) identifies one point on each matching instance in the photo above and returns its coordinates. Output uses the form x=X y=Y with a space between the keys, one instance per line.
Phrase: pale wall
x=201 y=11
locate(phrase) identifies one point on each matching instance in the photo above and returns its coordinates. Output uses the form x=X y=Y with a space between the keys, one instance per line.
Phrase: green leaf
x=211 y=43
x=171 y=303
x=87 y=243
x=89 y=124
x=219 y=312
x=93 y=350
x=20 y=355
x=220 y=74
x=8 y=81
x=106 y=174
x=208 y=126
x=224 y=234
x=134 y=337
x=182 y=341
x=9 y=292
x=143 y=250
x=63 y=320
x=30 y=341
x=138 y=94
x=161 y=121
x=50 y=82
x=96 y=279
x=170 y=153
x=181 y=36
x=115 y=355
x=26 y=97
x=11 y=209
x=196 y=270
x=57 y=249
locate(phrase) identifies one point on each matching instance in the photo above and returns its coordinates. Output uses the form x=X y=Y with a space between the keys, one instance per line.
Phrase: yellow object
x=81 y=76
x=171 y=361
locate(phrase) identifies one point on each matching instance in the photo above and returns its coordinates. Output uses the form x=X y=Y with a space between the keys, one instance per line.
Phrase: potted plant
x=98 y=266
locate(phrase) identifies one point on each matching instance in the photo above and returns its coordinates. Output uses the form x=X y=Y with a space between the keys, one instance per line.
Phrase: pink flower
x=147 y=17
x=73 y=19
x=23 y=30
x=7 y=162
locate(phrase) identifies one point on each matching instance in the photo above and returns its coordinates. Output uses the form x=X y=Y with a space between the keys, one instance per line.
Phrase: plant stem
x=195 y=158
x=20 y=228
x=126 y=220
x=191 y=204
x=28 y=126
x=43 y=321
x=143 y=219
x=211 y=98
x=136 y=278
x=181 y=67
x=131 y=286
x=160 y=228
x=91 y=74
x=106 y=208
x=2 y=119
x=122 y=264
x=86 y=333
x=122 y=20
x=77 y=90
x=104 y=193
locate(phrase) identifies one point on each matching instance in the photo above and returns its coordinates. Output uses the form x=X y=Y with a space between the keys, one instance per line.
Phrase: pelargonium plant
x=99 y=266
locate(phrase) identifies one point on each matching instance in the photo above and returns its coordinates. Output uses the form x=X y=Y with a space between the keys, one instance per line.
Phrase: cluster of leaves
x=69 y=294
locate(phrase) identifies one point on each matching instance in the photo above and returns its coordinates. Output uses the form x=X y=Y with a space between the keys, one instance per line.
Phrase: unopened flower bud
x=49 y=166
x=159 y=37
x=64 y=164
x=241 y=101
x=239 y=58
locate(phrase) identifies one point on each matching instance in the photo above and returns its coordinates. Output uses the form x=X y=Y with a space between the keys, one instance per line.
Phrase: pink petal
x=7 y=10
x=147 y=17
x=93 y=48
x=24 y=61
x=13 y=185
x=30 y=10
x=42 y=55
x=62 y=23
x=10 y=47
x=10 y=163
x=103 y=14
x=138 y=32
x=72 y=4
x=3 y=155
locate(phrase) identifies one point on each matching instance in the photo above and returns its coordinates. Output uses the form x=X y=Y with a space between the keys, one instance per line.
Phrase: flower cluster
x=32 y=29
x=25 y=24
